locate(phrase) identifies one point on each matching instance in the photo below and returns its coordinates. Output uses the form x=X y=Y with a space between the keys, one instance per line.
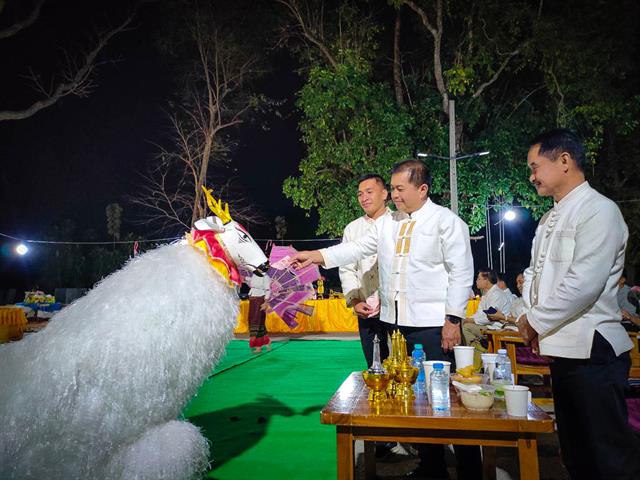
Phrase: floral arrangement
x=38 y=296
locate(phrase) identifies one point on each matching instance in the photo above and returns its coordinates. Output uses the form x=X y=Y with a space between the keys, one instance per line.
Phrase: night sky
x=71 y=160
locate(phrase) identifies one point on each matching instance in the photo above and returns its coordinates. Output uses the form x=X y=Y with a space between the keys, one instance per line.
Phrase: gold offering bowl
x=377 y=383
x=405 y=376
x=390 y=365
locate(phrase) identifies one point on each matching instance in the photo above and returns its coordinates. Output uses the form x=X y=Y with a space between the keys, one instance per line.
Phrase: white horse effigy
x=98 y=393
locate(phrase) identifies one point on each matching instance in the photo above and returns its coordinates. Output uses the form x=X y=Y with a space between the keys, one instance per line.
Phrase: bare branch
x=76 y=80
x=561 y=110
x=216 y=102
x=309 y=30
x=524 y=99
x=11 y=30
x=436 y=32
x=496 y=75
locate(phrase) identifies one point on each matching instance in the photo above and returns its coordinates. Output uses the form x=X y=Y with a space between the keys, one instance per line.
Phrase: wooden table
x=415 y=422
x=510 y=340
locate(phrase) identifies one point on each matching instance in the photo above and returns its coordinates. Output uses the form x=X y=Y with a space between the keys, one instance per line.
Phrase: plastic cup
x=517 y=400
x=464 y=356
x=428 y=368
x=489 y=363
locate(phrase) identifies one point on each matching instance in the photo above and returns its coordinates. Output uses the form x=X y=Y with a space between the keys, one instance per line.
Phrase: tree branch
x=216 y=101
x=560 y=112
x=397 y=66
x=77 y=81
x=11 y=30
x=309 y=32
x=436 y=32
x=496 y=75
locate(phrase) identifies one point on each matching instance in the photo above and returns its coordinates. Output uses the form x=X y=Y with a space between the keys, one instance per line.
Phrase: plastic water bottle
x=439 y=389
x=502 y=373
x=417 y=358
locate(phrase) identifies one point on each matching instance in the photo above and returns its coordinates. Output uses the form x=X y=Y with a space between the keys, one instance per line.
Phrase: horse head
x=228 y=244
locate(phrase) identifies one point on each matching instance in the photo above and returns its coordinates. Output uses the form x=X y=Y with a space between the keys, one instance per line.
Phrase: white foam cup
x=517 y=400
x=428 y=368
x=464 y=356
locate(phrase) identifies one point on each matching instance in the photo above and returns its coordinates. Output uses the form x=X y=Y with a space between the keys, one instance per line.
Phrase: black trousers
x=368 y=329
x=432 y=463
x=596 y=441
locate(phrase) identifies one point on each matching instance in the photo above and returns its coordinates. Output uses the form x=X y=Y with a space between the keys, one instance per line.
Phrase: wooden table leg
x=489 y=462
x=528 y=455
x=369 y=460
x=344 y=443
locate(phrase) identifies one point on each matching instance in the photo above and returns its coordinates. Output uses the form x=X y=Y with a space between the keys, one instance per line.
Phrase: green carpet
x=261 y=412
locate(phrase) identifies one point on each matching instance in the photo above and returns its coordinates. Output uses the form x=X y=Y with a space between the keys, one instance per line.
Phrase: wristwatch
x=453 y=319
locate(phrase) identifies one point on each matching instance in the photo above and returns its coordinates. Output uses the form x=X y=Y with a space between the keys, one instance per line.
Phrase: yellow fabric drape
x=329 y=315
x=472 y=307
x=13 y=323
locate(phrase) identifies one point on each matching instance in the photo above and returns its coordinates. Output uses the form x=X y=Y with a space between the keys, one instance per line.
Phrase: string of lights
x=154 y=240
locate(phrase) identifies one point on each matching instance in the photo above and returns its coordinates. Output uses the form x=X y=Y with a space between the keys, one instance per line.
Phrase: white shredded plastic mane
x=97 y=393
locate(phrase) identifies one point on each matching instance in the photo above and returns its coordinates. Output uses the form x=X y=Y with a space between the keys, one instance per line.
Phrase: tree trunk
x=397 y=77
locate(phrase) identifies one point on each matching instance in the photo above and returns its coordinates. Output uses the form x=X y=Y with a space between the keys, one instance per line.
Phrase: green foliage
x=459 y=79
x=351 y=126
x=514 y=70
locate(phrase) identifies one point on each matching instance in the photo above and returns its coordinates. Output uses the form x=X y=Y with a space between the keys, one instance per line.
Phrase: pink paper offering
x=290 y=288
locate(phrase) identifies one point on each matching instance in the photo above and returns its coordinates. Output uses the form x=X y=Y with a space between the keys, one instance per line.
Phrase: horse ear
x=209 y=223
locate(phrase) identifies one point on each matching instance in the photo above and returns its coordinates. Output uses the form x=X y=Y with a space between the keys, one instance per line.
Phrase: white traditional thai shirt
x=494 y=297
x=517 y=307
x=424 y=262
x=570 y=287
x=360 y=279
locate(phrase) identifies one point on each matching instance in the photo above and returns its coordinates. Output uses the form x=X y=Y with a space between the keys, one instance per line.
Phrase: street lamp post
x=453 y=168
x=453 y=173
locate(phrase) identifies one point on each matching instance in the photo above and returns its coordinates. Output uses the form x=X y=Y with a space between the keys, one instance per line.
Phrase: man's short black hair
x=369 y=176
x=418 y=172
x=554 y=142
x=490 y=275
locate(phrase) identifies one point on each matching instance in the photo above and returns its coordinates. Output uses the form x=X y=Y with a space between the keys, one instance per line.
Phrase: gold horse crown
x=216 y=207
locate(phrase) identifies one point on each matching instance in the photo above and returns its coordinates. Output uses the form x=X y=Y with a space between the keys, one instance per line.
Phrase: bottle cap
x=417 y=346
x=502 y=351
x=438 y=366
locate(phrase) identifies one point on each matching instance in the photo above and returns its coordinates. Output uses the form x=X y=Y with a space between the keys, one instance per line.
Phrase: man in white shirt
x=502 y=283
x=425 y=269
x=515 y=310
x=360 y=279
x=492 y=297
x=572 y=314
x=627 y=309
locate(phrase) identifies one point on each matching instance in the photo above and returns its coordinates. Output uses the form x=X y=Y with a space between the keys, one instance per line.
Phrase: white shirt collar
x=368 y=219
x=422 y=211
x=569 y=198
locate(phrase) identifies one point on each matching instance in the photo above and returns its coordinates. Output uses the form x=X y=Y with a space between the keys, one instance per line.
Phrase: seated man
x=492 y=297
x=630 y=320
x=508 y=319
x=502 y=283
